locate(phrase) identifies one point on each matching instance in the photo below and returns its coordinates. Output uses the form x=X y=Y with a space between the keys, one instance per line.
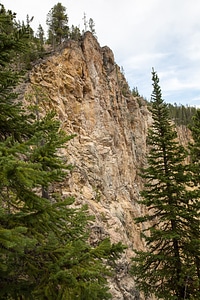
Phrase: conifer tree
x=167 y=267
x=91 y=25
x=57 y=21
x=41 y=38
x=194 y=168
x=75 y=33
x=13 y=44
x=195 y=146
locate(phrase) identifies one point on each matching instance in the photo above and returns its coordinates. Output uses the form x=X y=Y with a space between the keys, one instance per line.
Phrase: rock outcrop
x=92 y=99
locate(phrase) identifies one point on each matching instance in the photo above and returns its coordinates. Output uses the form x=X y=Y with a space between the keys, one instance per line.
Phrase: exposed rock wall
x=92 y=99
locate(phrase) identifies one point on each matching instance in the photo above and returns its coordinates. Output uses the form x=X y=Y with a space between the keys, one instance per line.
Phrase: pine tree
x=75 y=33
x=194 y=167
x=57 y=21
x=41 y=38
x=195 y=146
x=167 y=267
x=91 y=25
x=13 y=44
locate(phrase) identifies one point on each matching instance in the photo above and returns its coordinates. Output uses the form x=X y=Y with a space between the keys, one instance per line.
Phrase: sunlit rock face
x=92 y=99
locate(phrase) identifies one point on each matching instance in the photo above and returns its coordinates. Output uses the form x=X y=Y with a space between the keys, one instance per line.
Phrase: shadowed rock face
x=92 y=99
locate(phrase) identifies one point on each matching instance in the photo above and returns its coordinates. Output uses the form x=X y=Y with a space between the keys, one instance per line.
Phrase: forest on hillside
x=45 y=251
x=179 y=114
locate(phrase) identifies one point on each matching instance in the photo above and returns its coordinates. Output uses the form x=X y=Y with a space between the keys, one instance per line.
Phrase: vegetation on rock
x=180 y=114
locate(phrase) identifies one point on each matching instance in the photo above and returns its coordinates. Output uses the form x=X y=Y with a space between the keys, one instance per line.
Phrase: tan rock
x=92 y=99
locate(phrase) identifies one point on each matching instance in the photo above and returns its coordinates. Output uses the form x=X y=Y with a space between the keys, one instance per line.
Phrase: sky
x=143 y=34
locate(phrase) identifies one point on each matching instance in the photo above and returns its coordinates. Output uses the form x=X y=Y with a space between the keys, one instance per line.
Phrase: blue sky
x=142 y=34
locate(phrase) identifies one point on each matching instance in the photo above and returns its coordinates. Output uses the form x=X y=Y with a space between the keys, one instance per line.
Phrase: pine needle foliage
x=45 y=253
x=14 y=43
x=57 y=21
x=195 y=146
x=194 y=168
x=167 y=268
x=181 y=114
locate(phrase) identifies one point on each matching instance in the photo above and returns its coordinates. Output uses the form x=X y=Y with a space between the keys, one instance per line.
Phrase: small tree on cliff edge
x=167 y=268
x=57 y=21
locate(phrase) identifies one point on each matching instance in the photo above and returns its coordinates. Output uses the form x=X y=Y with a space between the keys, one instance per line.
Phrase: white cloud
x=142 y=34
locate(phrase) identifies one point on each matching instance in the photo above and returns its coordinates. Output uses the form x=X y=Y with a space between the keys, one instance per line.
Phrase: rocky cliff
x=85 y=86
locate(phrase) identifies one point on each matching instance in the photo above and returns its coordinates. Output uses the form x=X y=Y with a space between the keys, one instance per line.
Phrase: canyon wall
x=92 y=99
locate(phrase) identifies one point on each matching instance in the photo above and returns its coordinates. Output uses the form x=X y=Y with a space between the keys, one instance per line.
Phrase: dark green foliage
x=75 y=33
x=18 y=46
x=57 y=21
x=180 y=114
x=29 y=221
x=195 y=146
x=194 y=168
x=135 y=92
x=41 y=39
x=13 y=44
x=167 y=268
x=92 y=26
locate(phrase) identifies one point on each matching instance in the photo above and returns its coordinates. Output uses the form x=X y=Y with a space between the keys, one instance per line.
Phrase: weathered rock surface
x=92 y=99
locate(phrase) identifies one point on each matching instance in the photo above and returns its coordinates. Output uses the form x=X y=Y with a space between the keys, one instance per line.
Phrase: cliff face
x=91 y=96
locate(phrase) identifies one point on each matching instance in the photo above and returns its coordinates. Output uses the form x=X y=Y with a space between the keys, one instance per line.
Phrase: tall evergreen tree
x=167 y=267
x=40 y=35
x=195 y=146
x=194 y=168
x=57 y=21
x=13 y=44
x=91 y=25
